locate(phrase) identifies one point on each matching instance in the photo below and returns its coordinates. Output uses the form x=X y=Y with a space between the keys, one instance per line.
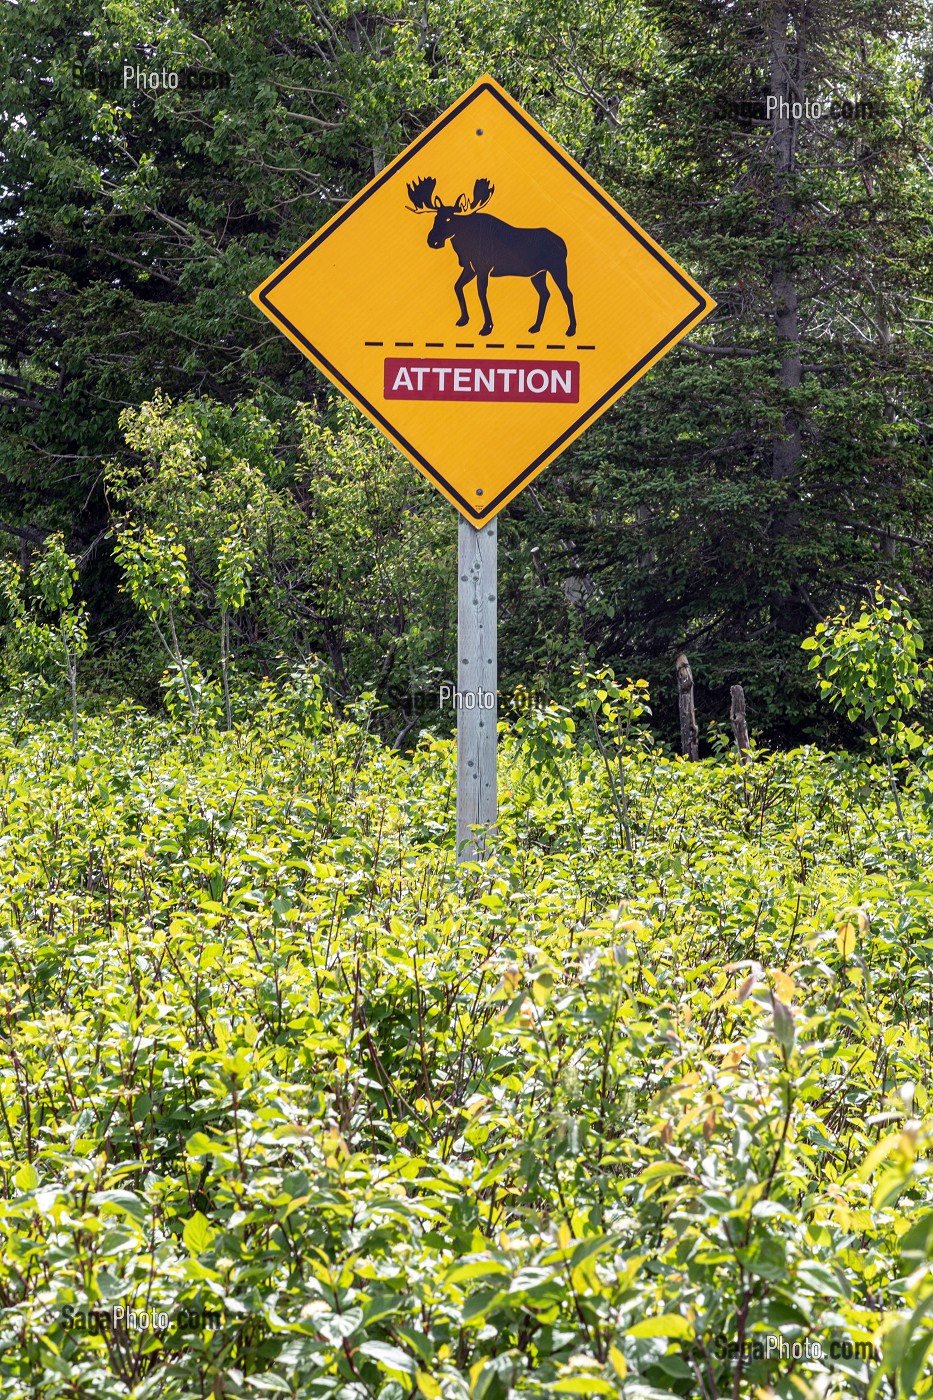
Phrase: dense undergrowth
x=343 y=1120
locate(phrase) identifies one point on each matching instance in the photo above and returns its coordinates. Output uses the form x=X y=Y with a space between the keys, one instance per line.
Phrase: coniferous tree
x=781 y=458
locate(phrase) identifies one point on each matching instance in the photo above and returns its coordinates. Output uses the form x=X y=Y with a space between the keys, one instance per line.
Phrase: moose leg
x=539 y=282
x=482 y=282
x=560 y=277
x=466 y=276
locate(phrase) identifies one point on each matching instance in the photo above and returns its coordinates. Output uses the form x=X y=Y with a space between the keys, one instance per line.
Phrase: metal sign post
x=477 y=681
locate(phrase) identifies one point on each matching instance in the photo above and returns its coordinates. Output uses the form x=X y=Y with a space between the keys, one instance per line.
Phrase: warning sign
x=483 y=301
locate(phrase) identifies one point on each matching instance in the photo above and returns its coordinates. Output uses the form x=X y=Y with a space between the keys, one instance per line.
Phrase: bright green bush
x=46 y=629
x=386 y=1128
x=310 y=537
x=871 y=668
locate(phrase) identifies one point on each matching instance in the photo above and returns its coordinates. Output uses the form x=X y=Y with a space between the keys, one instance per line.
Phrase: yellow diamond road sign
x=483 y=301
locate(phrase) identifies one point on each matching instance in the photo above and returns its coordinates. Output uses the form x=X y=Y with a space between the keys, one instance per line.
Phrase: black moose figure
x=486 y=247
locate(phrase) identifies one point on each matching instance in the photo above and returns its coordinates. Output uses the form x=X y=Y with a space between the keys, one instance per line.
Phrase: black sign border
x=489 y=508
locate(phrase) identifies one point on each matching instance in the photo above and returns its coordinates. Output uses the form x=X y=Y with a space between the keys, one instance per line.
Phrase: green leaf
x=27 y=1178
x=821 y=1278
x=913 y=1363
x=583 y=1385
x=197 y=1234
x=664 y=1325
x=783 y=1024
x=480 y=1304
x=917 y=1243
x=477 y=1268
x=390 y=1358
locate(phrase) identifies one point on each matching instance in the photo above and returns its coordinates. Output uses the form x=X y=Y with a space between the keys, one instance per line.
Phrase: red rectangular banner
x=483 y=381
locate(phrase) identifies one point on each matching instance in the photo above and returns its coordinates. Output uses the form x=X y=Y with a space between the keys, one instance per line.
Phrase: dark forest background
x=772 y=467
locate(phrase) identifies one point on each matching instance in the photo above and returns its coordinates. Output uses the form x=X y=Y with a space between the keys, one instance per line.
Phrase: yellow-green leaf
x=618 y=1363
x=583 y=1385
x=27 y=1178
x=845 y=939
x=197 y=1234
x=665 y=1325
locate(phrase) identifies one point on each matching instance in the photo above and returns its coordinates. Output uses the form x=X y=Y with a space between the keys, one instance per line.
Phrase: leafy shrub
x=309 y=538
x=871 y=670
x=355 y=1122
x=46 y=628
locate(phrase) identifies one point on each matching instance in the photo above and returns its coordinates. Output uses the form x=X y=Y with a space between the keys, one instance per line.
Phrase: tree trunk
x=787 y=87
x=788 y=72
x=739 y=726
x=184 y=671
x=689 y=734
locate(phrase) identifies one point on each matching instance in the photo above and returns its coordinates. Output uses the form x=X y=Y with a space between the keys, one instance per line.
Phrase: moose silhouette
x=486 y=247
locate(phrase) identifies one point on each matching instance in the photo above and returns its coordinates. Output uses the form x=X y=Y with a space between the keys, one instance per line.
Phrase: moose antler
x=422 y=196
x=482 y=194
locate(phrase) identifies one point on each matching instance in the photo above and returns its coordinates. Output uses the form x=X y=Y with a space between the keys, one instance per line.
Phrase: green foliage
x=378 y=578
x=618 y=704
x=203 y=505
x=134 y=225
x=234 y=561
x=156 y=574
x=870 y=665
x=354 y=1122
x=235 y=558
x=315 y=540
x=35 y=640
x=157 y=580
x=54 y=575
x=606 y=702
x=871 y=670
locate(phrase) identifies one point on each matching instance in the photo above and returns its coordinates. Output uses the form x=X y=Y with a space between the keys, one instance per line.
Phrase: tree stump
x=739 y=725
x=689 y=734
